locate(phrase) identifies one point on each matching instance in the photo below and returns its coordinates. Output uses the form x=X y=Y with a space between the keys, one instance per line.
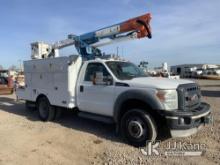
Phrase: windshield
x=125 y=70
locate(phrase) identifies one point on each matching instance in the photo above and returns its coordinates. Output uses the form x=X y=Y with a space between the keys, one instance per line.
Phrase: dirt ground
x=73 y=140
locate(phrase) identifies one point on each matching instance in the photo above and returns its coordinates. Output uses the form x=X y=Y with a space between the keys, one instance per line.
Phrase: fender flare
x=135 y=94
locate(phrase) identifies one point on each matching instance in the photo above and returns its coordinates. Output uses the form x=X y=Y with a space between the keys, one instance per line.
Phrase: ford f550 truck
x=109 y=89
x=115 y=91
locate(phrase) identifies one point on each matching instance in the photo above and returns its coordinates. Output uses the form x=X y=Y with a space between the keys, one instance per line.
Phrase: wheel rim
x=43 y=109
x=136 y=128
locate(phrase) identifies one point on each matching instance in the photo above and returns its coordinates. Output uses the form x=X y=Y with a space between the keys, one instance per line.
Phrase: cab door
x=92 y=98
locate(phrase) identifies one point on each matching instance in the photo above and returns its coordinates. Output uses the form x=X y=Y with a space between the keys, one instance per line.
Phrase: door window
x=92 y=68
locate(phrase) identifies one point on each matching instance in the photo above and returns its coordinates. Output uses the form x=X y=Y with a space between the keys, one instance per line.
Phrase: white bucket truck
x=111 y=90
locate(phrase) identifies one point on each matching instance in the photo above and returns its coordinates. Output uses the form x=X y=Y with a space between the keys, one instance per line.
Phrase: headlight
x=168 y=98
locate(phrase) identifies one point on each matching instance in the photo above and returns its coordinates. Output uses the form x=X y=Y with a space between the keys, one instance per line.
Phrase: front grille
x=189 y=96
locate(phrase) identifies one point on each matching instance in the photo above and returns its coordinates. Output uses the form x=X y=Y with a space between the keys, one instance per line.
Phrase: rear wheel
x=45 y=110
x=137 y=127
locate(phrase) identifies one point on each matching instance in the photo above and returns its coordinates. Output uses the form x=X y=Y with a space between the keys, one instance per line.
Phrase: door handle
x=81 y=88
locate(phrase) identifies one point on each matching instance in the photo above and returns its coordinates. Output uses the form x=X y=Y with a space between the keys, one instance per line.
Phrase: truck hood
x=156 y=82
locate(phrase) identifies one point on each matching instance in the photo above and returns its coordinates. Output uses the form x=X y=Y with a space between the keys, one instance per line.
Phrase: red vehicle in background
x=6 y=84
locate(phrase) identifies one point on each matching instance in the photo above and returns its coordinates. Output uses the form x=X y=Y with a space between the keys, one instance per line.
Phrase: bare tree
x=1 y=67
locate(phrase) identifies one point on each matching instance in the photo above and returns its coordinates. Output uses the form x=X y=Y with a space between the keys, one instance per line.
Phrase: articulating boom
x=87 y=44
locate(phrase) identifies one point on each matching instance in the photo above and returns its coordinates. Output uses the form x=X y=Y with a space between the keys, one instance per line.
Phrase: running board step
x=100 y=118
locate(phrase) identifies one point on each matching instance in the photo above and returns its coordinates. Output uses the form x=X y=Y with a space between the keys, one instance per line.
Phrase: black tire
x=46 y=112
x=137 y=127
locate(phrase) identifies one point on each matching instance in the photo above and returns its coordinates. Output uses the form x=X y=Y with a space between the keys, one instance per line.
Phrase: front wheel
x=137 y=127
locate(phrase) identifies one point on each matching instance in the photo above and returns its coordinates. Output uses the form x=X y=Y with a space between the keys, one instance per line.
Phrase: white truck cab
x=114 y=91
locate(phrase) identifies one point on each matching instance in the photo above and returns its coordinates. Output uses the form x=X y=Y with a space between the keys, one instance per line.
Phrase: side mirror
x=108 y=80
x=99 y=79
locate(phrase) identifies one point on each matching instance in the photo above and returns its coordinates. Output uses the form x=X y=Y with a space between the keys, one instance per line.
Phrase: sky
x=184 y=31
